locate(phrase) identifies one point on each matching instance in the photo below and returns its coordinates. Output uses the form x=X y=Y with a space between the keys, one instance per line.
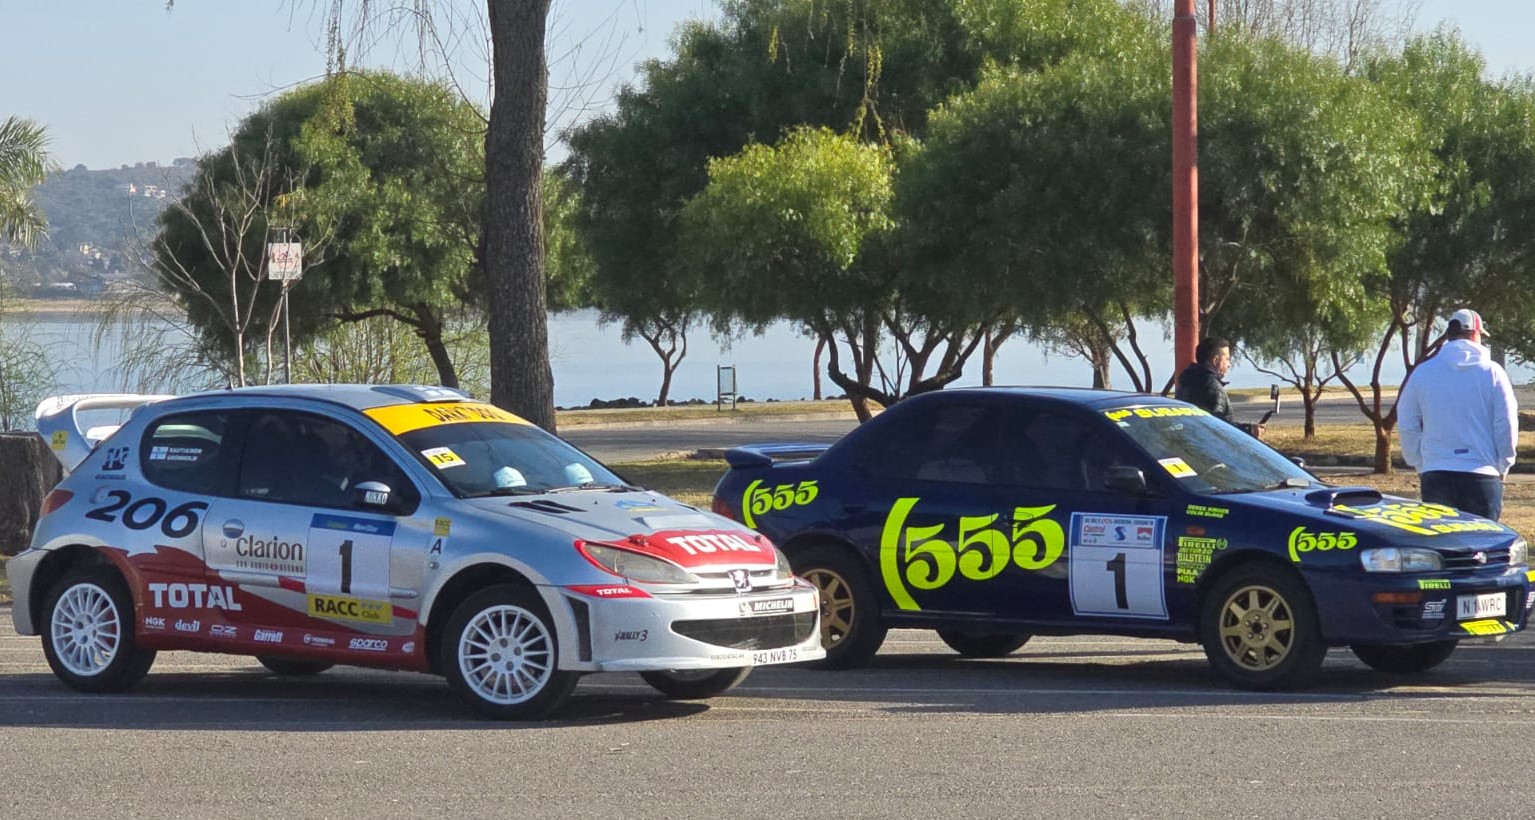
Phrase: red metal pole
x=1185 y=184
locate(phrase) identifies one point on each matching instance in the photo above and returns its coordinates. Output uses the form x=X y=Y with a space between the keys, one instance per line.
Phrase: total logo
x=189 y=626
x=152 y=622
x=268 y=636
x=368 y=644
x=223 y=631
x=196 y=596
x=319 y=640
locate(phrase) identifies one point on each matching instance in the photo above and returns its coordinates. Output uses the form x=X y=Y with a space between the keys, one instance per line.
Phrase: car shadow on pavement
x=340 y=700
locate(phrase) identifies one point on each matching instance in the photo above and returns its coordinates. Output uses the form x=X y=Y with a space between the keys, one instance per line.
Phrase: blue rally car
x=995 y=514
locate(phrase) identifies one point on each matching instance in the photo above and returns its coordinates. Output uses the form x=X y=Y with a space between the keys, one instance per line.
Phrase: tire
x=971 y=644
x=695 y=684
x=88 y=635
x=501 y=656
x=1405 y=660
x=1260 y=629
x=292 y=667
x=851 y=627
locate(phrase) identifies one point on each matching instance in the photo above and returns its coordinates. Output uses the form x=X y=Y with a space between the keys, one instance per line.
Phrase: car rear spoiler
x=764 y=455
x=59 y=422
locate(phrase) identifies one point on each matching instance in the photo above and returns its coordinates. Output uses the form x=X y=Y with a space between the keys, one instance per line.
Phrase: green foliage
x=23 y=164
x=780 y=229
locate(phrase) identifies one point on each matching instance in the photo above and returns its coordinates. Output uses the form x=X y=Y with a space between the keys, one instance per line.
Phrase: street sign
x=284 y=261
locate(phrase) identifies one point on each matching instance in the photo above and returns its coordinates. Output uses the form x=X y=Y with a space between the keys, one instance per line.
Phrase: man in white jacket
x=1459 y=421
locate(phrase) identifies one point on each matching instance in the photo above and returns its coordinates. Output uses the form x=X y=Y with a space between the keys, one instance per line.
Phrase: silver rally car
x=398 y=527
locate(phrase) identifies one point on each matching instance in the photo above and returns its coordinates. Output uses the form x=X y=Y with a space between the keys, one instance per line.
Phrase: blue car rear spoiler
x=764 y=455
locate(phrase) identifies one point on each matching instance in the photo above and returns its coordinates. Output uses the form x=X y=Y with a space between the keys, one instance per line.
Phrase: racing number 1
x=1116 y=565
x=346 y=566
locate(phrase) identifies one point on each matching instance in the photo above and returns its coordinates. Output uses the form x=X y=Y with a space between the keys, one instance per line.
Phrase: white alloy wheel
x=506 y=654
x=87 y=629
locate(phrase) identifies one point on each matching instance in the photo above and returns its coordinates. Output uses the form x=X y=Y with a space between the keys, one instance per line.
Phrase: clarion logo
x=268 y=636
x=195 y=596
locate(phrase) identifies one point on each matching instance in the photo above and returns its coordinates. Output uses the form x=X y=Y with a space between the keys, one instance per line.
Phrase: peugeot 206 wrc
x=992 y=515
x=396 y=527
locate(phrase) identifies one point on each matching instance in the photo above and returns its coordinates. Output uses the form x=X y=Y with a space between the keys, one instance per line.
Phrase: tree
x=1470 y=238
x=24 y=164
x=783 y=232
x=1344 y=30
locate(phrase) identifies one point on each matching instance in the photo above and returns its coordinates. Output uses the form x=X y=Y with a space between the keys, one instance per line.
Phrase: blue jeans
x=1472 y=492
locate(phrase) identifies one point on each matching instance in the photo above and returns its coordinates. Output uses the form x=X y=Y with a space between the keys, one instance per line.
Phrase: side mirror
x=1127 y=480
x=374 y=495
x=1299 y=462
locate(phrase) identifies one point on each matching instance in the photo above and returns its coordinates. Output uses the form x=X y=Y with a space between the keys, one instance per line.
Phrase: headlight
x=783 y=572
x=634 y=566
x=1400 y=559
x=1519 y=551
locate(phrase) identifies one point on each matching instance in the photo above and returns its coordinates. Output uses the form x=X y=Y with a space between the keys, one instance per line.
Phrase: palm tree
x=23 y=165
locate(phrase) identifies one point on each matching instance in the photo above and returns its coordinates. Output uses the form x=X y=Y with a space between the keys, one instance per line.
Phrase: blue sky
x=123 y=81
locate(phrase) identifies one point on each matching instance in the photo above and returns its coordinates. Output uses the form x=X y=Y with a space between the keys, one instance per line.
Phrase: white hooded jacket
x=1457 y=412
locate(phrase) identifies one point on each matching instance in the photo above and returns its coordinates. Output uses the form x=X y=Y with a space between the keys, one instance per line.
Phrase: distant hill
x=93 y=216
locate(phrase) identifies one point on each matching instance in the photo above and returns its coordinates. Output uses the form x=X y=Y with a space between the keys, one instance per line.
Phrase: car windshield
x=1205 y=453
x=500 y=458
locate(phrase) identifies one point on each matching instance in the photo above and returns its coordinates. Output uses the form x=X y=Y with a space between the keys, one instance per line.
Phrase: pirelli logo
x=350 y=609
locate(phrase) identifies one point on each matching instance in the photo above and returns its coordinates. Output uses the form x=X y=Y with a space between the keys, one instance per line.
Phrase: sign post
x=285 y=264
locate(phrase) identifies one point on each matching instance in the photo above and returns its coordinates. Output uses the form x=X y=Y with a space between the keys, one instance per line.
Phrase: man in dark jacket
x=1202 y=383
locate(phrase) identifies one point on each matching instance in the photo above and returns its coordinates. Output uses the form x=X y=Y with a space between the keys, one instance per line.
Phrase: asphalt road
x=1067 y=727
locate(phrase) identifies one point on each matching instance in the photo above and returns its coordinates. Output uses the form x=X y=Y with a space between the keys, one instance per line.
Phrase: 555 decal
x=916 y=557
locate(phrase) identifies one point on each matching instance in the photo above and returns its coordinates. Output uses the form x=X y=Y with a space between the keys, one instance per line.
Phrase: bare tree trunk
x=815 y=368
x=430 y=331
x=1309 y=400
x=521 y=379
x=989 y=360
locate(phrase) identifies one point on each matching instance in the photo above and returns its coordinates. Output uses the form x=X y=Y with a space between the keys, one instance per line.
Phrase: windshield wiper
x=1287 y=484
x=500 y=491
x=598 y=487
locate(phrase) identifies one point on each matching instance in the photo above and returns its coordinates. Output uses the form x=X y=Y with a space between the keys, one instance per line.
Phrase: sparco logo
x=154 y=623
x=196 y=596
x=368 y=644
x=316 y=640
x=189 y=626
x=222 y=631
x=268 y=636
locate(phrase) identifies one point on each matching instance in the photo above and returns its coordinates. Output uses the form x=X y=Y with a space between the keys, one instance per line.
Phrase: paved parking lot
x=1083 y=727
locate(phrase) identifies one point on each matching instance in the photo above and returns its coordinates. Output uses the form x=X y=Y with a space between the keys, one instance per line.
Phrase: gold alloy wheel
x=837 y=611
x=1257 y=628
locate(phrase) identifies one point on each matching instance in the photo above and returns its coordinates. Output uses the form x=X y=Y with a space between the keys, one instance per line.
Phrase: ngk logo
x=195 y=596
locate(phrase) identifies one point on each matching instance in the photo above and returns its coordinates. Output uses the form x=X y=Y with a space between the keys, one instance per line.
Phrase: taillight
x=55 y=500
x=720 y=507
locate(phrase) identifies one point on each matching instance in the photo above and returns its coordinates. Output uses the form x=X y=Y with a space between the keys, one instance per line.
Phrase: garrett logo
x=368 y=644
x=268 y=636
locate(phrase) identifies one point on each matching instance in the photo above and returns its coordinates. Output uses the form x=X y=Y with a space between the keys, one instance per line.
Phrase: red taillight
x=721 y=507
x=55 y=500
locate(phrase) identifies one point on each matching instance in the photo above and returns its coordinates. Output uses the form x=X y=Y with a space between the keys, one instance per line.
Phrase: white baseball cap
x=1468 y=320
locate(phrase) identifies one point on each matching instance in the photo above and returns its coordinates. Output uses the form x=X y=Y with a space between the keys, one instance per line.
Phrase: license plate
x=1490 y=605
x=771 y=606
x=766 y=657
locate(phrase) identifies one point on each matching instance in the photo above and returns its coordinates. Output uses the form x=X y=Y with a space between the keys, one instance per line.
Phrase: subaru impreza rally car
x=397 y=527
x=992 y=515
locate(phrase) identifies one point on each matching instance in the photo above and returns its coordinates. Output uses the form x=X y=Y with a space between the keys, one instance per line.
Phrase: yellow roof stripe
x=403 y=418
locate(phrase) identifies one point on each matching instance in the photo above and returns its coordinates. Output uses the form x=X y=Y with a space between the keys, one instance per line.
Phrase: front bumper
x=19 y=572
x=1422 y=607
x=642 y=633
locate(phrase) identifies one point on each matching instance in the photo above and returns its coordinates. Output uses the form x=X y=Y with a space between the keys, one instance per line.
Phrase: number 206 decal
x=175 y=522
x=912 y=557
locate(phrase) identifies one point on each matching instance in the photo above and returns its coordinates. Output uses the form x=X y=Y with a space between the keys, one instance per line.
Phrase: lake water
x=592 y=361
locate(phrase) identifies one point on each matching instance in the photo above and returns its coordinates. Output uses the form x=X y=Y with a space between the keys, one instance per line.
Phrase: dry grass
x=690 y=481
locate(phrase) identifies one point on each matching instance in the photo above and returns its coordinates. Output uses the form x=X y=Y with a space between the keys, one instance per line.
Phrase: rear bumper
x=20 y=571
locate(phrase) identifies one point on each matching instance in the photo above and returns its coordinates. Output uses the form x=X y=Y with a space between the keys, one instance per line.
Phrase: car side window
x=299 y=458
x=185 y=451
x=952 y=443
x=1067 y=452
